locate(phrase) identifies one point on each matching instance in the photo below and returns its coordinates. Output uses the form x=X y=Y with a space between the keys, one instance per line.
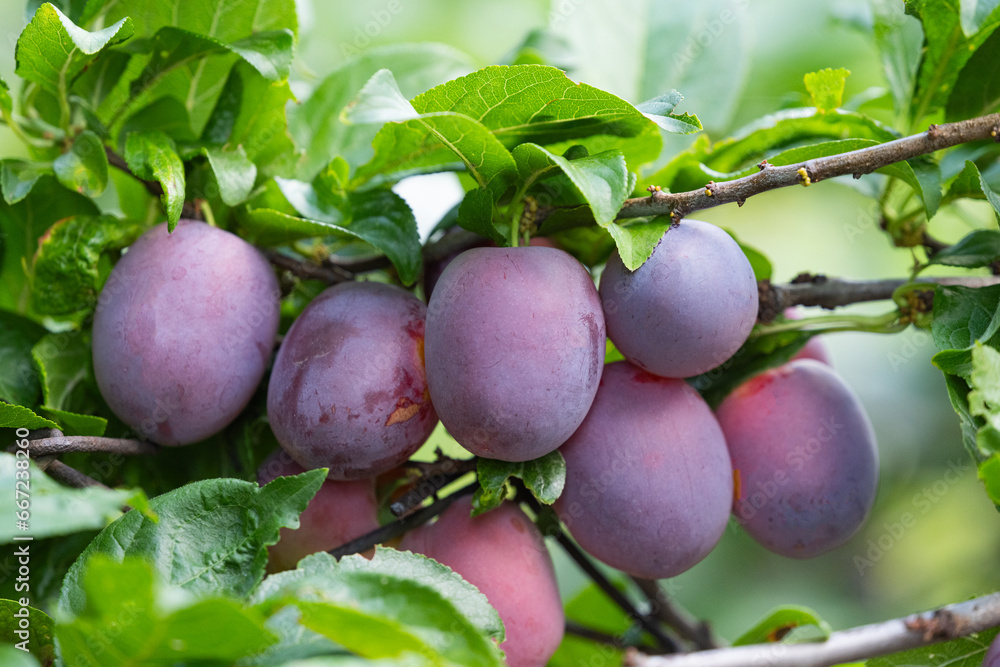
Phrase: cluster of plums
x=509 y=355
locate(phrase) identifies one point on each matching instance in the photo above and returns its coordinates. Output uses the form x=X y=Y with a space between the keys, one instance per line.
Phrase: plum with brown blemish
x=648 y=478
x=183 y=331
x=804 y=452
x=515 y=350
x=502 y=554
x=348 y=390
x=339 y=512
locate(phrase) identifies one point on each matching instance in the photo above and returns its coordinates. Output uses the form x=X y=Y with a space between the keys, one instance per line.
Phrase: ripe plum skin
x=183 y=331
x=992 y=658
x=688 y=308
x=348 y=390
x=515 y=350
x=805 y=456
x=502 y=554
x=648 y=478
x=339 y=512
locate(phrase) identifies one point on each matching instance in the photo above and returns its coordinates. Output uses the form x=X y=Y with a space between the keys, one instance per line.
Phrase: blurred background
x=735 y=61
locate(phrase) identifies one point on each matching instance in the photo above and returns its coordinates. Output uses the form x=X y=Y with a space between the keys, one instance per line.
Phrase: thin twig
x=67 y=475
x=615 y=641
x=649 y=624
x=693 y=630
x=331 y=275
x=770 y=177
x=401 y=525
x=56 y=445
x=433 y=477
x=868 y=641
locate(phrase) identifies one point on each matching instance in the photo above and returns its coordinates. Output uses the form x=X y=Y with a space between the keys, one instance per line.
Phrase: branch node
x=942 y=624
x=763 y=164
x=804 y=176
x=653 y=190
x=710 y=189
x=933 y=131
x=740 y=201
x=995 y=133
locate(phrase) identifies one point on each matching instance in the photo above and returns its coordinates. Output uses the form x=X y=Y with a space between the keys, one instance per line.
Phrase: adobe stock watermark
x=365 y=34
x=702 y=39
x=922 y=502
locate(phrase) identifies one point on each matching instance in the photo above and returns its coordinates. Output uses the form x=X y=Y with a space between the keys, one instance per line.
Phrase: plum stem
x=868 y=641
x=891 y=322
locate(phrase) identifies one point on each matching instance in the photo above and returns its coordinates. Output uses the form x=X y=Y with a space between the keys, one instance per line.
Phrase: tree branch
x=829 y=293
x=56 y=445
x=867 y=641
x=67 y=475
x=770 y=177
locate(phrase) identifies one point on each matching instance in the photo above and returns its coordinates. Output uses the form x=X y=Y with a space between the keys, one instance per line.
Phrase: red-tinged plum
x=348 y=390
x=515 y=349
x=815 y=349
x=183 y=331
x=339 y=512
x=648 y=478
x=688 y=308
x=502 y=554
x=805 y=458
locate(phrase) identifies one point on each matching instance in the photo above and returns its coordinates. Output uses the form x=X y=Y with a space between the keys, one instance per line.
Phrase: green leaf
x=974 y=13
x=56 y=509
x=40 y=641
x=137 y=622
x=515 y=104
x=637 y=241
x=17 y=416
x=52 y=50
x=234 y=172
x=200 y=81
x=64 y=363
x=22 y=224
x=18 y=178
x=67 y=271
x=378 y=217
x=984 y=399
x=210 y=538
x=962 y=316
x=545 y=477
x=947 y=48
x=660 y=111
x=977 y=89
x=84 y=168
x=316 y=124
x=270 y=53
x=761 y=265
x=601 y=179
x=970 y=183
x=826 y=87
x=379 y=101
x=12 y=657
x=18 y=379
x=475 y=214
x=964 y=652
x=395 y=603
x=976 y=249
x=153 y=156
x=251 y=115
x=778 y=623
